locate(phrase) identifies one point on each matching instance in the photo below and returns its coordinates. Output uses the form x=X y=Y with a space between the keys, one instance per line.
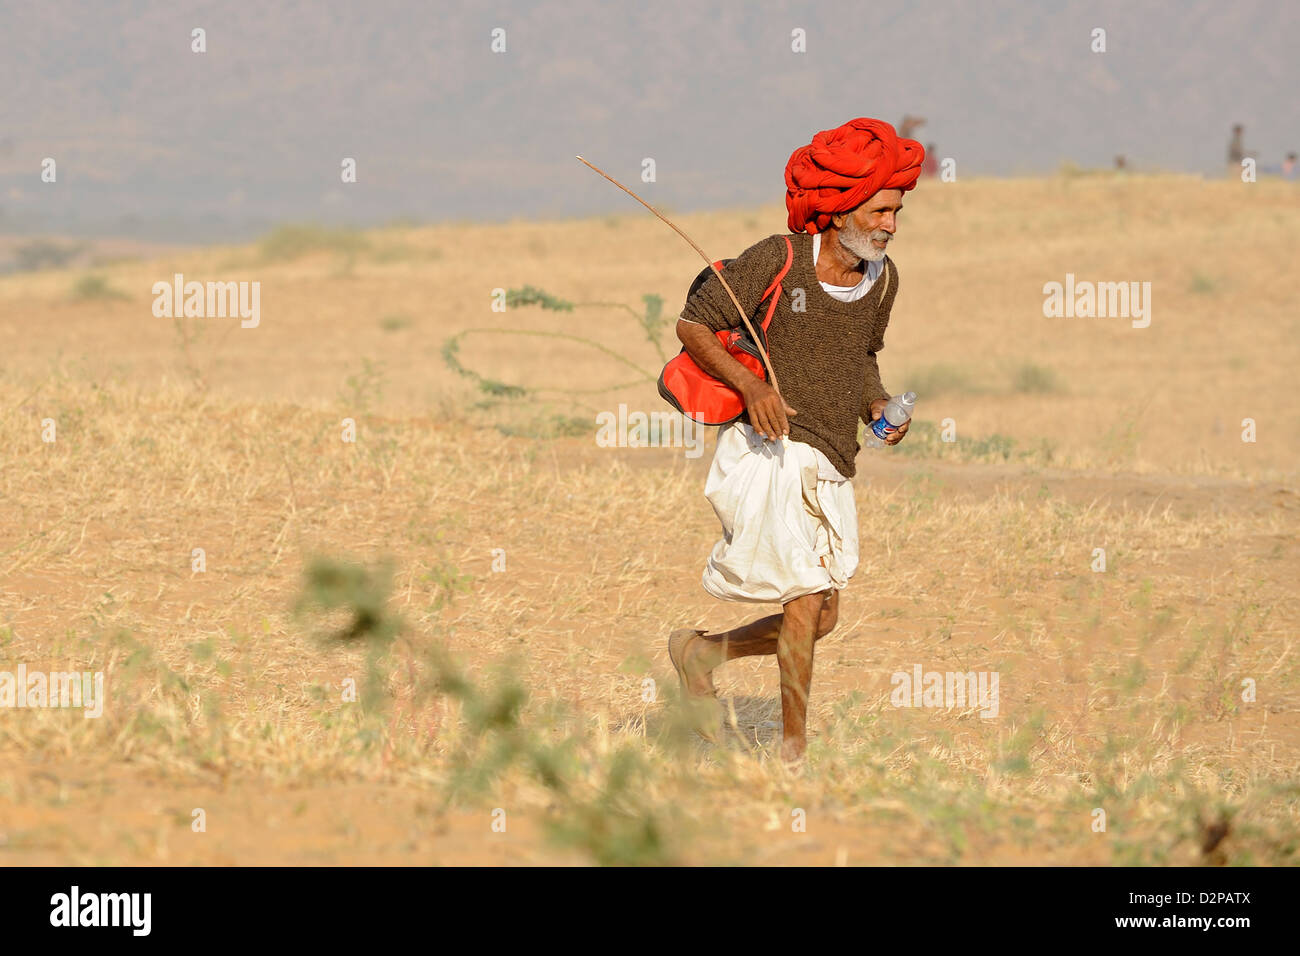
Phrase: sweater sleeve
x=873 y=388
x=748 y=275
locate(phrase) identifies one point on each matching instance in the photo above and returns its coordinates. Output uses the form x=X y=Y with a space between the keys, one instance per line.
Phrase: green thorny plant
x=616 y=825
x=652 y=322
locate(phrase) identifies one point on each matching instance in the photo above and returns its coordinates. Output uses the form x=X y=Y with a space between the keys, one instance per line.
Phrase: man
x=930 y=166
x=779 y=482
x=1236 y=151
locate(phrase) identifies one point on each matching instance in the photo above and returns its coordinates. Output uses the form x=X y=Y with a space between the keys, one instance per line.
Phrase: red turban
x=843 y=168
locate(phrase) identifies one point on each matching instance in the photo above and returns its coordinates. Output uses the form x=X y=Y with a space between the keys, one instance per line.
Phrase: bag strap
x=774 y=289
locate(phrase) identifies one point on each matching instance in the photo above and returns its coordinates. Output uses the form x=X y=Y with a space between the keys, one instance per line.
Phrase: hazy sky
x=153 y=140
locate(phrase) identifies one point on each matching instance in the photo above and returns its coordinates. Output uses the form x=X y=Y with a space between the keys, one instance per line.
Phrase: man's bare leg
x=794 y=655
x=695 y=653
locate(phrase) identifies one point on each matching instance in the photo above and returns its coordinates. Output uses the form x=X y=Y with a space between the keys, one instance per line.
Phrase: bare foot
x=697 y=680
x=700 y=696
x=793 y=750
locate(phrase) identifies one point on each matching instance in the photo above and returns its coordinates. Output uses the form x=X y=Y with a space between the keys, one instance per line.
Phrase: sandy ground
x=1121 y=690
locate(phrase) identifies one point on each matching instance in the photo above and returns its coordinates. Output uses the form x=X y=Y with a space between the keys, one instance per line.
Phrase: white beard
x=858 y=242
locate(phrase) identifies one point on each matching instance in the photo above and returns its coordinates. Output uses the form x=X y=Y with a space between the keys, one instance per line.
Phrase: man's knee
x=830 y=613
x=804 y=613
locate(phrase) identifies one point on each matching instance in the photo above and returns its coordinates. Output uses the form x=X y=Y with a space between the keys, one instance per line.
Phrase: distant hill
x=154 y=140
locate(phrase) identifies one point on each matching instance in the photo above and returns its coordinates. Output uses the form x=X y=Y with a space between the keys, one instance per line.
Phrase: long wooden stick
x=736 y=302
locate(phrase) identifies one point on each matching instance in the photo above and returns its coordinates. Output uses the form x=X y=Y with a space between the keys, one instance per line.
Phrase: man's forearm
x=703 y=346
x=873 y=389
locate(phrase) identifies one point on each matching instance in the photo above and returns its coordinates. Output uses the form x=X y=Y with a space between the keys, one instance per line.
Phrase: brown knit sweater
x=825 y=356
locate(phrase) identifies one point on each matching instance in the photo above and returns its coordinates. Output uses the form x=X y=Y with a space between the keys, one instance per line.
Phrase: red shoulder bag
x=697 y=394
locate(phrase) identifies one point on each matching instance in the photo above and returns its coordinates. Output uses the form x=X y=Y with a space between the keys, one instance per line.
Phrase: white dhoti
x=789 y=524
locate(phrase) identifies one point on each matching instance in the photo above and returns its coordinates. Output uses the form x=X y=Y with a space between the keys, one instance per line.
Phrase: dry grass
x=524 y=690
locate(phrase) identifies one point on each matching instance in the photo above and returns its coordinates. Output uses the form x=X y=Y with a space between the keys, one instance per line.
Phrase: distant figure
x=1121 y=163
x=910 y=125
x=930 y=167
x=1288 y=167
x=1236 y=151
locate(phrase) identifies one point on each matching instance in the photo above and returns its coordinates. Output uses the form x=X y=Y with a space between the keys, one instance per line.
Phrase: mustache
x=879 y=235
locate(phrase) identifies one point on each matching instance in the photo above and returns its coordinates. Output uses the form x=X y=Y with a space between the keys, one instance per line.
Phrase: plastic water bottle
x=897 y=413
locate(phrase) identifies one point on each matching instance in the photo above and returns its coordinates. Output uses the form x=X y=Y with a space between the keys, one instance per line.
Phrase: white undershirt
x=849 y=293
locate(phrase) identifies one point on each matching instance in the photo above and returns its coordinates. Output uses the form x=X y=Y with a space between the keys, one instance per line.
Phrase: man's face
x=868 y=229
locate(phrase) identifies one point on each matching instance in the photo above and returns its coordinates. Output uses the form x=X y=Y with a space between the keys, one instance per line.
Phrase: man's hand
x=878 y=409
x=768 y=412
